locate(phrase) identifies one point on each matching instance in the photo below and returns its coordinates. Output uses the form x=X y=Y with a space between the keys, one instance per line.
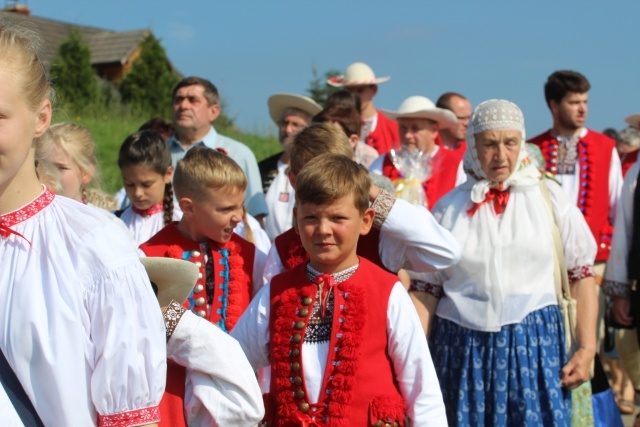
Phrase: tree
x=149 y=83
x=75 y=79
x=318 y=88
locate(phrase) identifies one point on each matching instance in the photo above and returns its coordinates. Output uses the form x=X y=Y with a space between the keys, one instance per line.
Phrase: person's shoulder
x=382 y=118
x=600 y=137
x=270 y=163
x=538 y=139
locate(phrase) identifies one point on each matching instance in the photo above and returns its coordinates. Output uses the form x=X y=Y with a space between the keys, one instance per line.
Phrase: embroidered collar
x=339 y=277
x=24 y=213
x=158 y=207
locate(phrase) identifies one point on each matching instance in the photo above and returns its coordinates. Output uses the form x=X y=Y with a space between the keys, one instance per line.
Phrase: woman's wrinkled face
x=498 y=152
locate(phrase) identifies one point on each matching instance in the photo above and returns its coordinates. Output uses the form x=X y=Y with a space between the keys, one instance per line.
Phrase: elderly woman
x=497 y=336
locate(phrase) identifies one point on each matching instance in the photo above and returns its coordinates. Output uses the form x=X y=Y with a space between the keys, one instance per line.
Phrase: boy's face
x=214 y=214
x=330 y=232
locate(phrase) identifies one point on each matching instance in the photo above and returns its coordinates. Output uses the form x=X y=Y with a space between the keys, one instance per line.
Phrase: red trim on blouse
x=24 y=213
x=158 y=207
x=132 y=418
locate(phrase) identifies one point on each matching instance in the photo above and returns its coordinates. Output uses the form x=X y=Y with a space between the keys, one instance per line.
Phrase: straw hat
x=173 y=277
x=279 y=102
x=357 y=74
x=419 y=107
x=633 y=120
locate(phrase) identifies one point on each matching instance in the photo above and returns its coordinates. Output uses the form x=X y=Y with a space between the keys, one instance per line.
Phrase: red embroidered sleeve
x=581 y=272
x=137 y=417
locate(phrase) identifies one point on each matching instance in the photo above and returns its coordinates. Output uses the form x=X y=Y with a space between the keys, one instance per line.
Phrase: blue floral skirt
x=505 y=378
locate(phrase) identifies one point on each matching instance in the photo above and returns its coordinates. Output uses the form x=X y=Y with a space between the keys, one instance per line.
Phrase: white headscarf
x=497 y=114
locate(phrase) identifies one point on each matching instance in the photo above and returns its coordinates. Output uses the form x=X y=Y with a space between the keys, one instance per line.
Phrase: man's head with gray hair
x=628 y=140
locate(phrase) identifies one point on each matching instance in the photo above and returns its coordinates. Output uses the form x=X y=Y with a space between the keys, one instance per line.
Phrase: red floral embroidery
x=580 y=272
x=158 y=207
x=341 y=373
x=235 y=288
x=131 y=418
x=296 y=255
x=42 y=201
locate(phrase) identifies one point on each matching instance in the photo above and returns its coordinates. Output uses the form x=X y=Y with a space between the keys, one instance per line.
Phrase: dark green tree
x=318 y=88
x=148 y=85
x=76 y=82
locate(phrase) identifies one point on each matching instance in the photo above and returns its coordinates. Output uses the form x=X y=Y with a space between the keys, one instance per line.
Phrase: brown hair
x=204 y=168
x=210 y=91
x=562 y=82
x=330 y=177
x=317 y=139
x=148 y=147
x=347 y=117
x=445 y=99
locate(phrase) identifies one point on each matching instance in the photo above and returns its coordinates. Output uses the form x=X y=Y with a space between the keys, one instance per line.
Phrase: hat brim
x=445 y=118
x=341 y=82
x=633 y=120
x=174 y=278
x=280 y=102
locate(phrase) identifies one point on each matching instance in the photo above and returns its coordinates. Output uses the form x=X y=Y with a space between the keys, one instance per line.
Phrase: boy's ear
x=292 y=178
x=367 y=221
x=186 y=206
x=168 y=175
x=295 y=221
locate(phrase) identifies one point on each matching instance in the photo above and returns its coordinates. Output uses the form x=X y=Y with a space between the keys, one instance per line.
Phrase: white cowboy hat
x=173 y=277
x=419 y=107
x=279 y=102
x=633 y=120
x=357 y=74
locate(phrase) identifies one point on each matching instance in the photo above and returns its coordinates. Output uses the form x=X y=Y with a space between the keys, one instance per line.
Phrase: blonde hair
x=100 y=199
x=330 y=177
x=20 y=56
x=204 y=168
x=317 y=139
x=47 y=172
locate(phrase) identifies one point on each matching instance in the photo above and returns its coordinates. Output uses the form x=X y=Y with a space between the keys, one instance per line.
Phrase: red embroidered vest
x=292 y=253
x=594 y=154
x=385 y=136
x=230 y=299
x=359 y=386
x=444 y=172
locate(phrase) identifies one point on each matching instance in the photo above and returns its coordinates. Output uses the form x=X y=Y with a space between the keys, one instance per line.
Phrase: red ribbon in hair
x=499 y=198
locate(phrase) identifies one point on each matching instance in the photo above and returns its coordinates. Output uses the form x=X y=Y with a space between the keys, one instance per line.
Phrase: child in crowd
x=74 y=153
x=344 y=341
x=145 y=164
x=210 y=188
x=403 y=235
x=213 y=383
x=79 y=325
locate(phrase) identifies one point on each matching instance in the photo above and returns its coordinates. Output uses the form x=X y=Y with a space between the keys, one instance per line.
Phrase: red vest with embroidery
x=230 y=298
x=444 y=172
x=359 y=386
x=385 y=136
x=292 y=253
x=594 y=154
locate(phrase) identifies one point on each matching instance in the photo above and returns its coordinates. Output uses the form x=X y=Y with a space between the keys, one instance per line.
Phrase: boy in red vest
x=344 y=342
x=210 y=188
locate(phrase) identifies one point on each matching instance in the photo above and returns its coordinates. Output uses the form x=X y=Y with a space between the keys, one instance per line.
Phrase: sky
x=251 y=49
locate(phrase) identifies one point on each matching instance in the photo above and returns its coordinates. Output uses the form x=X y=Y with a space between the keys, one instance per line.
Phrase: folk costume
x=143 y=224
x=403 y=236
x=497 y=336
x=343 y=351
x=281 y=198
x=627 y=160
x=218 y=386
x=446 y=173
x=588 y=167
x=380 y=132
x=80 y=326
x=231 y=273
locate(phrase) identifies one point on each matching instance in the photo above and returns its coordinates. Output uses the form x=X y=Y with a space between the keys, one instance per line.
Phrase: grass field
x=109 y=130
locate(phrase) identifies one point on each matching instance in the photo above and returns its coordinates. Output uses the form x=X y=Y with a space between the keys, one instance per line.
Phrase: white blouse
x=144 y=227
x=79 y=322
x=220 y=388
x=410 y=238
x=506 y=269
x=407 y=349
